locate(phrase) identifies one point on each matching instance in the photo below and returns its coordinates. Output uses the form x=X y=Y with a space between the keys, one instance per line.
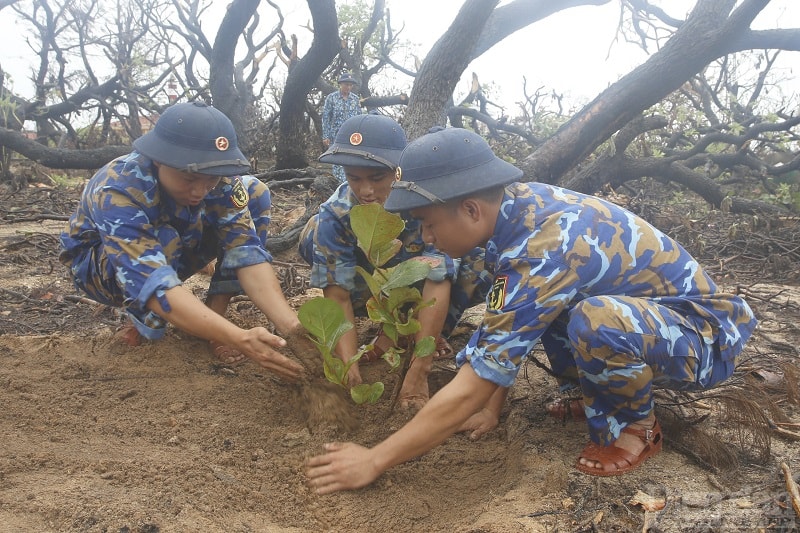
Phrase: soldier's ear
x=472 y=208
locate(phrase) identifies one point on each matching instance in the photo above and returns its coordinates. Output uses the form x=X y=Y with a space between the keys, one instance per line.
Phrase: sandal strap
x=614 y=460
x=647 y=435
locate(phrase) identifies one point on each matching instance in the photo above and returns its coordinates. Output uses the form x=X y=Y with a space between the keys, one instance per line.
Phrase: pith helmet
x=444 y=165
x=346 y=77
x=367 y=141
x=194 y=137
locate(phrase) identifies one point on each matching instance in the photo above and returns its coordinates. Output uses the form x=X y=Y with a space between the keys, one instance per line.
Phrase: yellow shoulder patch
x=239 y=195
x=497 y=296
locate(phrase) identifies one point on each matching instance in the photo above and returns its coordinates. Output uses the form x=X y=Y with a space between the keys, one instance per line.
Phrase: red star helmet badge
x=356 y=138
x=222 y=143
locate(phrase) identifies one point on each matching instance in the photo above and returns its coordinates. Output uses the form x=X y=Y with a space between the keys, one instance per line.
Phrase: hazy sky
x=568 y=51
x=574 y=52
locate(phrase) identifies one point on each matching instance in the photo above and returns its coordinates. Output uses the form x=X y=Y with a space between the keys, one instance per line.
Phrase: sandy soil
x=164 y=438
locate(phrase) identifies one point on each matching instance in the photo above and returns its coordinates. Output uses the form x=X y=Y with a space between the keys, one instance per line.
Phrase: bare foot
x=415 y=393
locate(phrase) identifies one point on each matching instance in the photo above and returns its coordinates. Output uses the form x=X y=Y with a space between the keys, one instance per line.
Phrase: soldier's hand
x=262 y=347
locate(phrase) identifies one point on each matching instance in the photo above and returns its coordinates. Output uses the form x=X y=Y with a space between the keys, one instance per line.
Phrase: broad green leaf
x=391 y=331
x=373 y=284
x=425 y=347
x=423 y=305
x=380 y=254
x=376 y=230
x=400 y=296
x=393 y=357
x=376 y=312
x=408 y=328
x=365 y=393
x=406 y=274
x=324 y=319
x=334 y=370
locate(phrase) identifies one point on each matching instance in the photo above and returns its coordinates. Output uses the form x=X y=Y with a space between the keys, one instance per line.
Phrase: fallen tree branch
x=791 y=486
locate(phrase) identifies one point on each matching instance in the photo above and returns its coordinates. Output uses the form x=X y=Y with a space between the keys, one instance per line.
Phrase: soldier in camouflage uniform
x=150 y=219
x=338 y=107
x=368 y=147
x=618 y=306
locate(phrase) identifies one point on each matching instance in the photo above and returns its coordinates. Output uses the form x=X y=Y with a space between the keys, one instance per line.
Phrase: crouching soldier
x=150 y=219
x=619 y=307
x=368 y=148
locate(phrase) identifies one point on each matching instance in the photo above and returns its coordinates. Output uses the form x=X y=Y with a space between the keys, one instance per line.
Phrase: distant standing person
x=339 y=106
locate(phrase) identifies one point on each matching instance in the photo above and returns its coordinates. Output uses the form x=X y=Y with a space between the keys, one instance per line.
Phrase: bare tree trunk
x=225 y=96
x=443 y=66
x=302 y=77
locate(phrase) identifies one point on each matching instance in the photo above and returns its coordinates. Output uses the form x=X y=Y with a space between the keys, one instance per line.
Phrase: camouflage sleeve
x=334 y=260
x=327 y=118
x=229 y=215
x=525 y=298
x=446 y=267
x=133 y=248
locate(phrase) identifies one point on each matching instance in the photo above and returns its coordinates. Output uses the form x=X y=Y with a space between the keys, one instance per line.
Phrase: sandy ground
x=164 y=438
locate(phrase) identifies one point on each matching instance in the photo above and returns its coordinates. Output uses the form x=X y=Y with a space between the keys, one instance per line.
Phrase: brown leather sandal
x=380 y=344
x=616 y=461
x=566 y=409
x=443 y=349
x=128 y=335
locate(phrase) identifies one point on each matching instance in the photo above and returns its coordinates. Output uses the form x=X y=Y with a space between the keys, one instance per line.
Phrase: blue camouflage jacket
x=329 y=245
x=552 y=248
x=336 y=110
x=117 y=250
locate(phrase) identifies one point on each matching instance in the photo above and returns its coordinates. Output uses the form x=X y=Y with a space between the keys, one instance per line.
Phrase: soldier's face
x=186 y=188
x=370 y=184
x=453 y=228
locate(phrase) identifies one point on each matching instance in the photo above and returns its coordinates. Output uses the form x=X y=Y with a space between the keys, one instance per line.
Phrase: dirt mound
x=164 y=438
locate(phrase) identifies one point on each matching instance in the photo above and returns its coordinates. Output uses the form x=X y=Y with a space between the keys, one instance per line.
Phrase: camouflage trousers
x=618 y=348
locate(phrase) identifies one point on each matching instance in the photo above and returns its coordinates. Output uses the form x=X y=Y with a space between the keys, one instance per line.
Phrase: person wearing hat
x=368 y=148
x=150 y=219
x=618 y=306
x=338 y=107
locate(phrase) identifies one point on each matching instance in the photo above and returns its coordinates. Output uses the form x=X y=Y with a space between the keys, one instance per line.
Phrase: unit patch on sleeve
x=239 y=195
x=497 y=296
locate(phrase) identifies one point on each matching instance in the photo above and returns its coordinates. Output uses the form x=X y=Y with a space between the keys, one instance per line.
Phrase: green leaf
x=324 y=319
x=376 y=312
x=425 y=347
x=400 y=296
x=365 y=393
x=373 y=284
x=390 y=330
x=376 y=230
x=334 y=370
x=393 y=357
x=406 y=274
x=408 y=328
x=379 y=255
